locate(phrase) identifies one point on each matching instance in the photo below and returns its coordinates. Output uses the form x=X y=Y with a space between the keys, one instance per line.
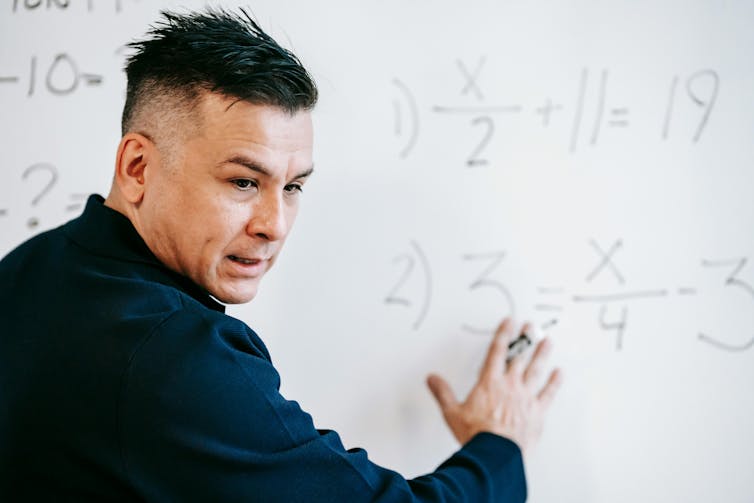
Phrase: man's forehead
x=222 y=115
x=222 y=105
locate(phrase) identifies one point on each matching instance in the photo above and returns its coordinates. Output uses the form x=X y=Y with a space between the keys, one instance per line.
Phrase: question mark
x=40 y=166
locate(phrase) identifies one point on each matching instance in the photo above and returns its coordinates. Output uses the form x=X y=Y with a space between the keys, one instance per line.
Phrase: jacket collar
x=107 y=232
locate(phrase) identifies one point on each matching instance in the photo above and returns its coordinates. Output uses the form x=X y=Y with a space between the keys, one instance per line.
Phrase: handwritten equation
x=697 y=91
x=63 y=5
x=44 y=176
x=613 y=306
x=62 y=76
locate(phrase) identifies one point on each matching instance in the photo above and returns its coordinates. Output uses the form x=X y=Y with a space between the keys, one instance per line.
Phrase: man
x=133 y=384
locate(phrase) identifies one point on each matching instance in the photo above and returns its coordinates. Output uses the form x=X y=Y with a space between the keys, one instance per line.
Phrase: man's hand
x=504 y=400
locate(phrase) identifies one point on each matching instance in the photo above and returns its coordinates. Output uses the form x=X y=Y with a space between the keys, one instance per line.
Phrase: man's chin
x=235 y=296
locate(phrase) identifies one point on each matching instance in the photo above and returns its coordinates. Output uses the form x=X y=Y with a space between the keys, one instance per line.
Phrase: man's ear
x=135 y=153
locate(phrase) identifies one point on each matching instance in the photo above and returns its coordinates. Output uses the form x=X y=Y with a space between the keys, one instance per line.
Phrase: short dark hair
x=218 y=51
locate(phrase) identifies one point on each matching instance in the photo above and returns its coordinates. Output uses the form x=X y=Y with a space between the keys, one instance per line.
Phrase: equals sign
x=686 y=291
x=549 y=324
x=549 y=307
x=618 y=117
x=78 y=198
x=91 y=79
x=8 y=80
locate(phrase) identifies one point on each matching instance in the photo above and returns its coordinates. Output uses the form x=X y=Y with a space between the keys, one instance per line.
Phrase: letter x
x=471 y=84
x=606 y=260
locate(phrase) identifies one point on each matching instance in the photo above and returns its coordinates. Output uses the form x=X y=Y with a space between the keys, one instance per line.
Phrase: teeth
x=243 y=260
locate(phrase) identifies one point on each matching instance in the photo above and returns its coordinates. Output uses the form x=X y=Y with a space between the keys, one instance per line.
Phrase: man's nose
x=268 y=220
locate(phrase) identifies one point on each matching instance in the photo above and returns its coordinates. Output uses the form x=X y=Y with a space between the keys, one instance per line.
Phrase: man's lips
x=245 y=260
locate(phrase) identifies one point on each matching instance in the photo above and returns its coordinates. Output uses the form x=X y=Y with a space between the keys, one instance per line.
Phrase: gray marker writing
x=517 y=347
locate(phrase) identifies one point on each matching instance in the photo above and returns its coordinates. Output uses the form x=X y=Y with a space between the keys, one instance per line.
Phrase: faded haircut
x=185 y=55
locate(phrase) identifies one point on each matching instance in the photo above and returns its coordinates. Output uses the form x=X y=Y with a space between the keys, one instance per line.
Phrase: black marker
x=517 y=347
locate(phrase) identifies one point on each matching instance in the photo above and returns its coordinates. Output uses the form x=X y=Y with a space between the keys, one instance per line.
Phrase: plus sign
x=546 y=111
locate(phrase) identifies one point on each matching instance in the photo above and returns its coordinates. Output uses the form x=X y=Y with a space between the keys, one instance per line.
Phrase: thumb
x=441 y=391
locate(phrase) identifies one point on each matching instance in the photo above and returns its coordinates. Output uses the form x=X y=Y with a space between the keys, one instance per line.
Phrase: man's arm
x=202 y=419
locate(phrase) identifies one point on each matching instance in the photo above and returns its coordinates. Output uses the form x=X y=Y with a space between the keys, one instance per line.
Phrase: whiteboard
x=585 y=165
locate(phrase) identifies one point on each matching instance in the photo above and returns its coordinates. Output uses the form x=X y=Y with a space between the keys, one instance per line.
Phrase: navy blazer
x=121 y=380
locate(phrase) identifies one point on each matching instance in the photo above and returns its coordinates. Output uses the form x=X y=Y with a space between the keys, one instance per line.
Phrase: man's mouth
x=245 y=261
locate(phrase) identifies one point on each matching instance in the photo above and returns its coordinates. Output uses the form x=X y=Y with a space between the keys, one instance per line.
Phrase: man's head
x=217 y=143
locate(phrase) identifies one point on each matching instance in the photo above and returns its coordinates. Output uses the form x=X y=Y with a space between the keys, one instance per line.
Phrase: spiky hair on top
x=218 y=51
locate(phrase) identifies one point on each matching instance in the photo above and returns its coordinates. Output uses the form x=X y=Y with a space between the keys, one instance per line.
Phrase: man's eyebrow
x=248 y=163
x=245 y=161
x=304 y=174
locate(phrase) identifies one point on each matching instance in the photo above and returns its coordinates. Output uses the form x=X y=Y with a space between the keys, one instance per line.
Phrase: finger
x=548 y=392
x=525 y=329
x=516 y=365
x=533 y=370
x=442 y=392
x=494 y=363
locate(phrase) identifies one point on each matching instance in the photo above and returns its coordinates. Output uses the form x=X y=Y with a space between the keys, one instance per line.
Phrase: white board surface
x=585 y=165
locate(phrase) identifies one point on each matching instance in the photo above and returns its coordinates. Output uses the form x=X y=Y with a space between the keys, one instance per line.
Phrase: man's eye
x=244 y=183
x=294 y=188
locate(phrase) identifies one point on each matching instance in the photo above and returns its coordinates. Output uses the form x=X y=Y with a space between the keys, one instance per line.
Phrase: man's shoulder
x=88 y=290
x=33 y=247
x=146 y=300
x=26 y=272
x=192 y=320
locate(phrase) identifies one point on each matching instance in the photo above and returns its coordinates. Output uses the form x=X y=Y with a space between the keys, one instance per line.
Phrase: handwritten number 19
x=704 y=99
